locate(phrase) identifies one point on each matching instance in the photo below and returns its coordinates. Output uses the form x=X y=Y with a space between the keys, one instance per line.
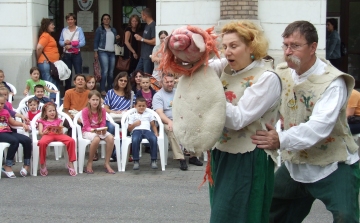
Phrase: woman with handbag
x=71 y=39
x=47 y=51
x=105 y=39
x=132 y=47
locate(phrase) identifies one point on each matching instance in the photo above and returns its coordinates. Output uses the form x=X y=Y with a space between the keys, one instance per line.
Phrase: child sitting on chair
x=50 y=130
x=5 y=92
x=39 y=91
x=3 y=83
x=13 y=138
x=32 y=105
x=35 y=80
x=139 y=125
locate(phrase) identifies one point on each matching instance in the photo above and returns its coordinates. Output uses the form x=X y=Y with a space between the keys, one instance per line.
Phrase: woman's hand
x=135 y=56
x=26 y=127
x=117 y=37
x=67 y=47
x=67 y=42
x=96 y=55
x=26 y=92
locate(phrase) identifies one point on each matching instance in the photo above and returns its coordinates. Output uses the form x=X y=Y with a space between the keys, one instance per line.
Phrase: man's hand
x=170 y=126
x=138 y=37
x=266 y=139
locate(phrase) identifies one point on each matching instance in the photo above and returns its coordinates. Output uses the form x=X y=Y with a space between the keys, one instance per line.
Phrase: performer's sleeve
x=218 y=65
x=257 y=99
x=321 y=121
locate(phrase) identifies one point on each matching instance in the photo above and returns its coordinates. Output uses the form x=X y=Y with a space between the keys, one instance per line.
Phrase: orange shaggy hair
x=168 y=62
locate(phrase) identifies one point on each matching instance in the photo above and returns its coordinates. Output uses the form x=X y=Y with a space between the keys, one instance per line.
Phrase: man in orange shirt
x=75 y=99
x=353 y=112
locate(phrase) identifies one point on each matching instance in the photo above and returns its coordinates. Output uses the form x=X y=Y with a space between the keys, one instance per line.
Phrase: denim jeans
x=107 y=64
x=72 y=59
x=14 y=139
x=45 y=75
x=136 y=138
x=145 y=65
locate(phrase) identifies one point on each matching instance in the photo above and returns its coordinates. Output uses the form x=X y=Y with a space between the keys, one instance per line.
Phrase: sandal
x=23 y=172
x=96 y=157
x=72 y=171
x=8 y=174
x=43 y=171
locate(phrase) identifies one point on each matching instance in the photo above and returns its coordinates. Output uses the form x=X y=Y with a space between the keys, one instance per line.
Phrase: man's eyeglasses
x=293 y=47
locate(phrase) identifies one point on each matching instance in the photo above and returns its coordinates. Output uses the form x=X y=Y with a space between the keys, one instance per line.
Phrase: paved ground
x=133 y=196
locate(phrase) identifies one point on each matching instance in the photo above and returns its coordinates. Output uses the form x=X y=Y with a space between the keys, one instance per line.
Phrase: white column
x=19 y=24
x=172 y=14
x=275 y=15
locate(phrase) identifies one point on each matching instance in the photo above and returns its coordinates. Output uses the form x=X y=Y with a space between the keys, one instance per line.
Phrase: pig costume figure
x=199 y=102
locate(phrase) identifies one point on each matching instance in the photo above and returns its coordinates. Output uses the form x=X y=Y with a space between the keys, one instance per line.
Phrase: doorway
x=348 y=14
x=122 y=10
x=350 y=35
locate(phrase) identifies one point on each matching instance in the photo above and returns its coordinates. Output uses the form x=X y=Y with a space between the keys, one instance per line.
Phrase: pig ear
x=166 y=41
x=199 y=42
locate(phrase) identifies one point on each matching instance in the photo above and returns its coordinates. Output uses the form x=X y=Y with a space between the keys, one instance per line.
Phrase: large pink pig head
x=187 y=48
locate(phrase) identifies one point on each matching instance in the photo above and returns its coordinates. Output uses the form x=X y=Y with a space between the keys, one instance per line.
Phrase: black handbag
x=354 y=119
x=53 y=70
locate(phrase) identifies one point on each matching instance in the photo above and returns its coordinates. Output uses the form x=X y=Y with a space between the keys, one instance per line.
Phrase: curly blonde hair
x=251 y=35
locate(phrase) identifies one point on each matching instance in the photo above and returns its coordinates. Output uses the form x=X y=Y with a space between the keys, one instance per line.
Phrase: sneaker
x=136 y=165
x=154 y=164
x=183 y=165
x=194 y=160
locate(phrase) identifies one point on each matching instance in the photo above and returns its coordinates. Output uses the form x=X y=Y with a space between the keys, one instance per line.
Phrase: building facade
x=20 y=30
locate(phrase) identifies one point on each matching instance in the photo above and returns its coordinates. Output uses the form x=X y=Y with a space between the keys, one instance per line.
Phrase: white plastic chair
x=84 y=143
x=25 y=99
x=35 y=155
x=126 y=140
x=13 y=89
x=3 y=150
x=53 y=87
x=22 y=109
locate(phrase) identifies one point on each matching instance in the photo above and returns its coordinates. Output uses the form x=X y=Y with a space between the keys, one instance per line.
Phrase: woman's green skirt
x=243 y=186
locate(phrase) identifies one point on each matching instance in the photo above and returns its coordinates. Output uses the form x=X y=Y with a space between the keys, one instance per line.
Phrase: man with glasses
x=319 y=153
x=162 y=104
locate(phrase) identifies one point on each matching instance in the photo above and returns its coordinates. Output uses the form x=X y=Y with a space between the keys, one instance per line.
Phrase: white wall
x=275 y=15
x=19 y=24
x=172 y=14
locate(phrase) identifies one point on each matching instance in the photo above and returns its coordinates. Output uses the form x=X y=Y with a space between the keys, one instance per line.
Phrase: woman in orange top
x=47 y=45
x=353 y=112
